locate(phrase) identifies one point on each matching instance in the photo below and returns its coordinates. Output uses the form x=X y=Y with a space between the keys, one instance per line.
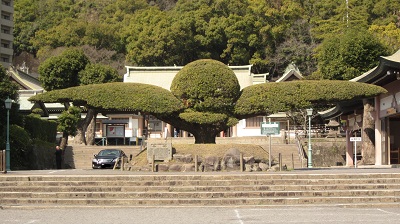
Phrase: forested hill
x=335 y=39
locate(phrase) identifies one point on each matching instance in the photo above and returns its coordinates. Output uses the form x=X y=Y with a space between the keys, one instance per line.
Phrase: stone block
x=162 y=167
x=160 y=151
x=255 y=167
x=248 y=167
x=263 y=166
x=183 y=158
x=175 y=168
x=187 y=168
x=249 y=160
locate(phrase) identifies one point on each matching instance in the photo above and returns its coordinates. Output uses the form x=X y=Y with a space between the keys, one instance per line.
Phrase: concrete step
x=222 y=182
x=219 y=176
x=240 y=188
x=261 y=189
x=98 y=181
x=200 y=195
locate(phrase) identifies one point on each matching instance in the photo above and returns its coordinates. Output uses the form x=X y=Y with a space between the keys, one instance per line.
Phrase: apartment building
x=6 y=33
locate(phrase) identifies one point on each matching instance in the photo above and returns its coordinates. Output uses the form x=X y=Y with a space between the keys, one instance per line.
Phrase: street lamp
x=8 y=103
x=309 y=114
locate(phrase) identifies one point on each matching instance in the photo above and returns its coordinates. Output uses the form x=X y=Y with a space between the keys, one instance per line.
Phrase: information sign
x=268 y=128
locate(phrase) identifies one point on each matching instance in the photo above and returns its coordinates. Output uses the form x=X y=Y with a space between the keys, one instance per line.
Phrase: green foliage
x=68 y=121
x=7 y=88
x=388 y=34
x=269 y=98
x=43 y=155
x=346 y=56
x=20 y=148
x=206 y=85
x=202 y=117
x=160 y=32
x=47 y=131
x=118 y=96
x=205 y=98
x=61 y=71
x=98 y=73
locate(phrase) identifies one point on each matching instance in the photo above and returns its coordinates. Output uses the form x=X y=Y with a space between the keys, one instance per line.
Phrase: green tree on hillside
x=205 y=98
x=61 y=71
x=345 y=56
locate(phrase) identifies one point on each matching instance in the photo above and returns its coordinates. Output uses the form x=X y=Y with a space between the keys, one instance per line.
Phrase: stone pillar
x=184 y=134
x=379 y=154
x=368 y=150
x=222 y=134
x=170 y=130
x=140 y=126
x=234 y=131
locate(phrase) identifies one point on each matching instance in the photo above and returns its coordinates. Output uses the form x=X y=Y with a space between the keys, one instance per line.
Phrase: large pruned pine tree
x=205 y=98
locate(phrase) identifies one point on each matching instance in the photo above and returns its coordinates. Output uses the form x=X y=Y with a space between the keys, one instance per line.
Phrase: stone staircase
x=210 y=189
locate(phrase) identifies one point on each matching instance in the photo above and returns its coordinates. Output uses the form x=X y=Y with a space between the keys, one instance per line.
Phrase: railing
x=143 y=144
x=300 y=149
x=3 y=161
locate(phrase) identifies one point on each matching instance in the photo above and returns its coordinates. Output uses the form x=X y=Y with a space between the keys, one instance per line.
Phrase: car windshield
x=109 y=152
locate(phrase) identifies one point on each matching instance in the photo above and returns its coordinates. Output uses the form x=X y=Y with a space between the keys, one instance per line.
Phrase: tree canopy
x=348 y=55
x=269 y=98
x=189 y=105
x=268 y=34
x=61 y=71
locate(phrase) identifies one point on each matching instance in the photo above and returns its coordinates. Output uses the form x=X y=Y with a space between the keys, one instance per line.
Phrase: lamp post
x=309 y=114
x=8 y=103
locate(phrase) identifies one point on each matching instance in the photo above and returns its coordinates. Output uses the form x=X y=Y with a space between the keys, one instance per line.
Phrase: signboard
x=355 y=139
x=160 y=151
x=116 y=131
x=268 y=128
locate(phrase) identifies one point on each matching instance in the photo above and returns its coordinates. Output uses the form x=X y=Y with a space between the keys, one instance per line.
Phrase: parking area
x=202 y=215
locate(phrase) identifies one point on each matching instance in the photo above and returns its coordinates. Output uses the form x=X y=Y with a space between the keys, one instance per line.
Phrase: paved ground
x=202 y=215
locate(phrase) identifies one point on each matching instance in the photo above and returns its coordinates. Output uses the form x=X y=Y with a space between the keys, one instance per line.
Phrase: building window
x=5 y=59
x=5 y=15
x=5 y=29
x=7 y=3
x=254 y=122
x=5 y=44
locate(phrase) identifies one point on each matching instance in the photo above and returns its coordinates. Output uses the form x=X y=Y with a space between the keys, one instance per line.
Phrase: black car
x=106 y=158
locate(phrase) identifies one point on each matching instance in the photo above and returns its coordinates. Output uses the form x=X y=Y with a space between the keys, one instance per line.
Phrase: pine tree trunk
x=368 y=135
x=91 y=131
x=80 y=137
x=64 y=141
x=205 y=136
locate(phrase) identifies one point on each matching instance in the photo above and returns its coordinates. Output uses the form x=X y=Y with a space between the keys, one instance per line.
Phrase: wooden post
x=280 y=162
x=122 y=163
x=115 y=164
x=195 y=163
x=241 y=162
x=288 y=131
x=153 y=165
